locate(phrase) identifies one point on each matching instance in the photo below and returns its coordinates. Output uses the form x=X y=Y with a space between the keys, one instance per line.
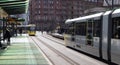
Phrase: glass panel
x=81 y=28
x=89 y=33
x=116 y=28
x=70 y=28
x=97 y=28
x=32 y=28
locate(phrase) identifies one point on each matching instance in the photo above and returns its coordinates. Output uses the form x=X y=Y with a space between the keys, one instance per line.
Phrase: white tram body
x=97 y=35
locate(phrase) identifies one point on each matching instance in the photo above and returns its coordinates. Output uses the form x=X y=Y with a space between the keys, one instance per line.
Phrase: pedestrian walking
x=20 y=31
x=7 y=36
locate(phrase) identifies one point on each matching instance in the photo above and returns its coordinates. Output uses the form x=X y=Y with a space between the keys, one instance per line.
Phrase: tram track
x=54 y=40
x=60 y=54
x=42 y=50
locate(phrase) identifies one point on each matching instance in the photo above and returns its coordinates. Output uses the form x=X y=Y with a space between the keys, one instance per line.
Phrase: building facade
x=50 y=14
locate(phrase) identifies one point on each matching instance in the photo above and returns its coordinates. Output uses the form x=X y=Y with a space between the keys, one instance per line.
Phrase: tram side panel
x=81 y=44
x=68 y=40
x=115 y=51
x=81 y=41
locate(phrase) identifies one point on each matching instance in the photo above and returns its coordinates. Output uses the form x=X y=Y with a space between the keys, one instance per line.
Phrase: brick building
x=49 y=14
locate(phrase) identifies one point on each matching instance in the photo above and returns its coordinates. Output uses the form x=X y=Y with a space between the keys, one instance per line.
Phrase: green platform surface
x=22 y=53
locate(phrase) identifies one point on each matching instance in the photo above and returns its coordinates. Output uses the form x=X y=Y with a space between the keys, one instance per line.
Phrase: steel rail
x=53 y=40
x=69 y=60
x=36 y=43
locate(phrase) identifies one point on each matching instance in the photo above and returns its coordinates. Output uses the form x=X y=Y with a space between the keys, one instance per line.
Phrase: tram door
x=89 y=33
x=115 y=41
x=92 y=37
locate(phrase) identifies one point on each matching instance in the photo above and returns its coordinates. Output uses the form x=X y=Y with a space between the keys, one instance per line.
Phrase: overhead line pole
x=111 y=5
x=107 y=2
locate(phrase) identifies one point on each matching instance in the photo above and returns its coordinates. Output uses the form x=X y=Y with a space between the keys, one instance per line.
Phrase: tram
x=31 y=29
x=97 y=35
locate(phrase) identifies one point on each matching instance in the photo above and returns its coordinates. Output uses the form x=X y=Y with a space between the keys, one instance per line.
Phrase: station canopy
x=14 y=6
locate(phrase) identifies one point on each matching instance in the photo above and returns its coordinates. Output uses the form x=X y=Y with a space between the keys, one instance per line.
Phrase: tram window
x=70 y=29
x=116 y=28
x=32 y=28
x=81 y=28
x=90 y=39
x=89 y=33
x=90 y=27
x=96 y=29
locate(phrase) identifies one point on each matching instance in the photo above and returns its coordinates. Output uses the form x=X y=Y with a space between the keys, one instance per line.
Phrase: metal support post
x=112 y=7
x=16 y=28
x=0 y=39
x=3 y=27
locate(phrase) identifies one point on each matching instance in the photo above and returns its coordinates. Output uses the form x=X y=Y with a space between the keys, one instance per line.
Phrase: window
x=89 y=32
x=97 y=28
x=70 y=28
x=81 y=28
x=116 y=28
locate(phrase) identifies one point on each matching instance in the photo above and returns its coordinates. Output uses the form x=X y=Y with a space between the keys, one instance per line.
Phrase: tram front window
x=32 y=28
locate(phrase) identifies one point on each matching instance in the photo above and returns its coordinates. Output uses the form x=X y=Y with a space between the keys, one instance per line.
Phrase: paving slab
x=22 y=52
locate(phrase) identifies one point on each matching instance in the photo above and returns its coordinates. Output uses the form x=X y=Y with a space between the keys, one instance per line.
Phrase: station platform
x=22 y=52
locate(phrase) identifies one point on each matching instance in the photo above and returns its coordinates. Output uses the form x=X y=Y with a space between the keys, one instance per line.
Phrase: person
x=0 y=39
x=0 y=43
x=20 y=31
x=7 y=36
